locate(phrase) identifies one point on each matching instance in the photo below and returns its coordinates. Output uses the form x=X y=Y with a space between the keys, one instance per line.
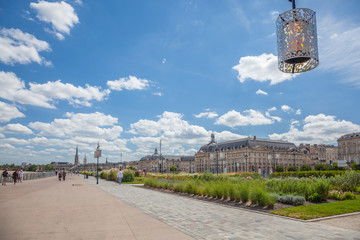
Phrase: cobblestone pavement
x=206 y=220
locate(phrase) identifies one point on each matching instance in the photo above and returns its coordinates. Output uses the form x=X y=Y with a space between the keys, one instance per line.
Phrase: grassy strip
x=137 y=182
x=320 y=210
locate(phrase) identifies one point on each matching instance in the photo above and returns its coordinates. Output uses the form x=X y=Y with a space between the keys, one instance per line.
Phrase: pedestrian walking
x=20 y=176
x=15 y=176
x=5 y=176
x=60 y=176
x=120 y=175
x=64 y=175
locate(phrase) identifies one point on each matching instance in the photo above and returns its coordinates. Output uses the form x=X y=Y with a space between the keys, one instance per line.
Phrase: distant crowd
x=17 y=176
x=62 y=174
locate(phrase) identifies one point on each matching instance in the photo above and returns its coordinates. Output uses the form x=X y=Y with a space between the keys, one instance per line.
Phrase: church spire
x=76 y=162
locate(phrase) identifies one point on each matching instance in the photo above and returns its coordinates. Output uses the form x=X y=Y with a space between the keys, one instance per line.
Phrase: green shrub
x=292 y=168
x=179 y=187
x=190 y=188
x=305 y=167
x=259 y=196
x=315 y=197
x=298 y=200
x=112 y=176
x=244 y=193
x=349 y=196
x=207 y=176
x=128 y=176
x=137 y=173
x=349 y=181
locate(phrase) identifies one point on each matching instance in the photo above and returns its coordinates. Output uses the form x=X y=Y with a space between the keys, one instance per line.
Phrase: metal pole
x=217 y=162
x=97 y=171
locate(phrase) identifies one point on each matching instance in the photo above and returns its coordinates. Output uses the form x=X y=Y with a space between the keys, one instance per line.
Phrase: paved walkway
x=206 y=220
x=74 y=209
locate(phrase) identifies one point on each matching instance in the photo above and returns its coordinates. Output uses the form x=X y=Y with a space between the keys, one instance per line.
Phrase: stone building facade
x=157 y=163
x=249 y=154
x=349 y=147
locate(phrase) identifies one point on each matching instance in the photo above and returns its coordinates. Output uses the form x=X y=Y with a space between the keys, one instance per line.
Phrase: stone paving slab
x=206 y=220
x=52 y=210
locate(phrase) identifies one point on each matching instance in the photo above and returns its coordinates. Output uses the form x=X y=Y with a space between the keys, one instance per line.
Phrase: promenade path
x=207 y=220
x=74 y=209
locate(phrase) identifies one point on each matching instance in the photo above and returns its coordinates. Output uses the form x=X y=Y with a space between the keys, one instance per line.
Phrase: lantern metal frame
x=297 y=40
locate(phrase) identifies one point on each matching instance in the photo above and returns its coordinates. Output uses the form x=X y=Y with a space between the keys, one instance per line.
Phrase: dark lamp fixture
x=297 y=40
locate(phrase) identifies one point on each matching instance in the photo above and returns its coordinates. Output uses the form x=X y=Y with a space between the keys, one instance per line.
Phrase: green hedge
x=302 y=174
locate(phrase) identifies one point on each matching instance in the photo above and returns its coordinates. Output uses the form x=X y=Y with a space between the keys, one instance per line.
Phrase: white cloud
x=272 y=109
x=249 y=117
x=19 y=47
x=261 y=92
x=298 y=112
x=43 y=95
x=80 y=125
x=206 y=114
x=157 y=94
x=79 y=2
x=129 y=83
x=338 y=39
x=67 y=91
x=61 y=15
x=261 y=68
x=286 y=108
x=8 y=112
x=176 y=134
x=15 y=129
x=164 y=60
x=317 y=129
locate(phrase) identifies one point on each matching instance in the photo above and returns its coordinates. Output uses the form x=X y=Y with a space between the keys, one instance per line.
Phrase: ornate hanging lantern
x=297 y=40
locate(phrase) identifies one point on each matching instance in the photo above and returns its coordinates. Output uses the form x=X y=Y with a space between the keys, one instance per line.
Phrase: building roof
x=156 y=156
x=247 y=143
x=349 y=136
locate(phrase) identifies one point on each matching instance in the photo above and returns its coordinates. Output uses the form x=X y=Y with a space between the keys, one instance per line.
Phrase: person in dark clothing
x=59 y=175
x=64 y=175
x=5 y=176
x=15 y=176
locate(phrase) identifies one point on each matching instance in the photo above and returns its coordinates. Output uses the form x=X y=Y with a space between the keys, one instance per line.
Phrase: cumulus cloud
x=286 y=108
x=249 y=117
x=129 y=83
x=338 y=39
x=60 y=15
x=19 y=47
x=176 y=133
x=43 y=95
x=272 y=109
x=66 y=91
x=298 y=112
x=317 y=129
x=261 y=92
x=95 y=125
x=15 y=129
x=206 y=114
x=8 y=112
x=261 y=68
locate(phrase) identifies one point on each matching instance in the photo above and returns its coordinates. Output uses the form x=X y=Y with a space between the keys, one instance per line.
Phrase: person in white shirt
x=120 y=175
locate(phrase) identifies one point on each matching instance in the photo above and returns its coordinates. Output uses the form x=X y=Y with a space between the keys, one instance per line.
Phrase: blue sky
x=129 y=73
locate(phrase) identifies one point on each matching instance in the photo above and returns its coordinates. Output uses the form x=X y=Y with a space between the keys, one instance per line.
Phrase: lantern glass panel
x=297 y=40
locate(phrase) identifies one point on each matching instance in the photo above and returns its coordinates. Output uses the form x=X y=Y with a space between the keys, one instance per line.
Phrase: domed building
x=157 y=163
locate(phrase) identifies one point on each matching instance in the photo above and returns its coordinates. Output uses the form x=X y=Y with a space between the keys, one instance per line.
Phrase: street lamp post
x=246 y=165
x=97 y=155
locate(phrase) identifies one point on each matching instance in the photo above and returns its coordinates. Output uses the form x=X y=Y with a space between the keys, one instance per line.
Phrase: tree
x=173 y=169
x=292 y=168
x=49 y=167
x=322 y=167
x=280 y=168
x=32 y=168
x=305 y=167
x=131 y=167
